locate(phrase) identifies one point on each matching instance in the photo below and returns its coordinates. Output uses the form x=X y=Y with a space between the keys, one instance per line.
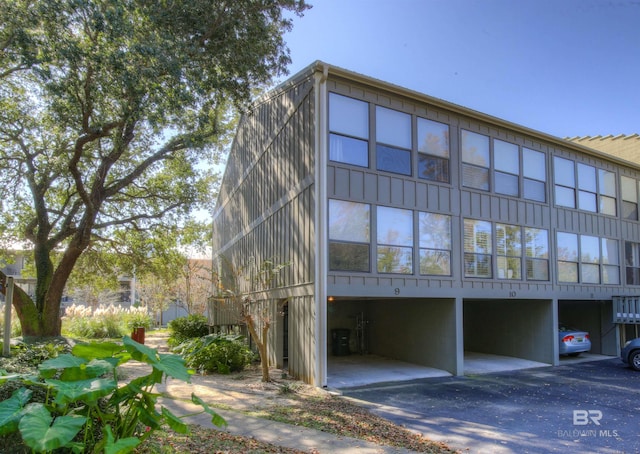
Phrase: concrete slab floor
x=358 y=370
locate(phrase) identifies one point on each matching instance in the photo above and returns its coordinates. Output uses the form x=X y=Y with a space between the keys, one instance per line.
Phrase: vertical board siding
x=265 y=212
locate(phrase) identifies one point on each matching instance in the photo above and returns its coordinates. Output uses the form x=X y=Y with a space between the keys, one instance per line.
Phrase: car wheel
x=634 y=360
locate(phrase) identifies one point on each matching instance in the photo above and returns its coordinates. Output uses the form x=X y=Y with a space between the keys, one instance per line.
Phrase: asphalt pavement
x=591 y=407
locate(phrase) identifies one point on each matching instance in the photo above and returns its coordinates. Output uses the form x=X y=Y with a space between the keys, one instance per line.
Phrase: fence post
x=8 y=301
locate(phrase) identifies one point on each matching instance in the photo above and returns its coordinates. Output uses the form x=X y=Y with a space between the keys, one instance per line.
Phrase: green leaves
x=83 y=379
x=41 y=432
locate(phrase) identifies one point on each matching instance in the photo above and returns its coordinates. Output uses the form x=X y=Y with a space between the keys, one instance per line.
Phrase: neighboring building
x=417 y=229
x=623 y=146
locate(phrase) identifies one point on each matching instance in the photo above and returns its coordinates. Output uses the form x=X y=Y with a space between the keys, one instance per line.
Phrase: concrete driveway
x=588 y=407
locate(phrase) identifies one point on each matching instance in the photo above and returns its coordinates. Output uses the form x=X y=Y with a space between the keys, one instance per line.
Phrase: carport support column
x=459 y=370
x=554 y=331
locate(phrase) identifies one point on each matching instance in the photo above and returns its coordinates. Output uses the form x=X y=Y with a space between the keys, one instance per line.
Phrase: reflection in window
x=349 y=233
x=435 y=244
x=433 y=150
x=629 y=188
x=587 y=259
x=607 y=192
x=587 y=188
x=567 y=253
x=565 y=182
x=506 y=157
x=395 y=240
x=537 y=254
x=508 y=251
x=349 y=126
x=477 y=248
x=632 y=262
x=535 y=175
x=393 y=137
x=475 y=159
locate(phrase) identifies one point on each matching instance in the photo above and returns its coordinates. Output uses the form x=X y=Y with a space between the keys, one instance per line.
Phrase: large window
x=349 y=126
x=534 y=170
x=587 y=259
x=433 y=150
x=349 y=236
x=632 y=262
x=435 y=244
x=629 y=189
x=506 y=157
x=395 y=240
x=509 y=251
x=393 y=138
x=475 y=160
x=477 y=248
x=584 y=187
x=537 y=254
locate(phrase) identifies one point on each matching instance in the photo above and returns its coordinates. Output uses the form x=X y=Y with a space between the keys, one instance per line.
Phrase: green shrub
x=84 y=407
x=182 y=329
x=106 y=322
x=215 y=353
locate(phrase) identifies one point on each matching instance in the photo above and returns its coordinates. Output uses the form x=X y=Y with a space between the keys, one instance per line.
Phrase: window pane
x=589 y=249
x=564 y=172
x=631 y=256
x=477 y=236
x=435 y=262
x=629 y=189
x=349 y=221
x=348 y=116
x=537 y=270
x=567 y=272
x=508 y=240
x=432 y=168
x=393 y=160
x=506 y=184
x=610 y=274
x=630 y=210
x=395 y=260
x=534 y=190
x=348 y=257
x=590 y=274
x=349 y=150
x=537 y=243
x=633 y=276
x=509 y=268
x=475 y=177
x=435 y=230
x=506 y=157
x=433 y=138
x=607 y=205
x=533 y=164
x=395 y=226
x=610 y=254
x=477 y=265
x=587 y=201
x=567 y=246
x=475 y=148
x=393 y=127
x=565 y=197
x=607 y=182
x=587 y=177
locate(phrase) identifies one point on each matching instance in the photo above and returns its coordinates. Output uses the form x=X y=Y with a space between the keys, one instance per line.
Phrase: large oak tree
x=106 y=108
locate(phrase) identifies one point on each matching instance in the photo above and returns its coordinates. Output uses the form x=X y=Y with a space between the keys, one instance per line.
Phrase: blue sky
x=563 y=67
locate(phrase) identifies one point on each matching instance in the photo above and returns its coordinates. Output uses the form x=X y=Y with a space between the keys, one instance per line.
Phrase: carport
x=414 y=331
x=595 y=317
x=510 y=328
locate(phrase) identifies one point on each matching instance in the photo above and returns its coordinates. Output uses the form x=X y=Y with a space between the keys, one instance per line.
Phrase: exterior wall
x=265 y=212
x=358 y=184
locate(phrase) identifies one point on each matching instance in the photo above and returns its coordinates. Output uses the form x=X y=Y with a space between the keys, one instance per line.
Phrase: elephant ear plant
x=86 y=408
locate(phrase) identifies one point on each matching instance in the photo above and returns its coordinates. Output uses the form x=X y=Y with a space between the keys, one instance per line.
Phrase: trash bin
x=340 y=341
